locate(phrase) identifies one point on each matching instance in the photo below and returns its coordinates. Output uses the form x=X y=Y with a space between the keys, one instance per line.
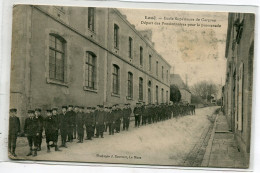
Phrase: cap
x=82 y=107
x=89 y=107
x=38 y=110
x=93 y=108
x=70 y=106
x=109 y=107
x=101 y=106
x=30 y=111
x=48 y=110
x=76 y=106
x=64 y=107
x=13 y=110
x=54 y=109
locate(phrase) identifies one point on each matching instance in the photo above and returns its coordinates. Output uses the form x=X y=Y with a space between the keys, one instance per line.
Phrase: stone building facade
x=82 y=56
x=237 y=92
x=175 y=79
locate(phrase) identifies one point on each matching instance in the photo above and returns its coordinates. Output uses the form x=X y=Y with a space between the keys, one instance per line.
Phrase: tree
x=205 y=90
x=196 y=99
x=175 y=94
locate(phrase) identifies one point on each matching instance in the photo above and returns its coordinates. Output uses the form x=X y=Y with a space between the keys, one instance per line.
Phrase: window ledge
x=129 y=98
x=115 y=95
x=51 y=81
x=90 y=90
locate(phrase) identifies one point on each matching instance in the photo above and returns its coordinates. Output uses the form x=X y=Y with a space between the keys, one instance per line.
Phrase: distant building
x=82 y=56
x=185 y=92
x=237 y=92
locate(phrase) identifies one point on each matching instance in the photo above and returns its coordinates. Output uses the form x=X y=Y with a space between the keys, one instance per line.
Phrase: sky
x=197 y=52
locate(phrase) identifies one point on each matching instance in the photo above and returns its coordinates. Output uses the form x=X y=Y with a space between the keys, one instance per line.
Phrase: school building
x=82 y=56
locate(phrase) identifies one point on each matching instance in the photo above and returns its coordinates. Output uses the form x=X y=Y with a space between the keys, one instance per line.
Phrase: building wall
x=238 y=87
x=31 y=86
x=185 y=96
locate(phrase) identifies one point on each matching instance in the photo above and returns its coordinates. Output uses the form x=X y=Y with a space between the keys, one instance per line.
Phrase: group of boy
x=70 y=123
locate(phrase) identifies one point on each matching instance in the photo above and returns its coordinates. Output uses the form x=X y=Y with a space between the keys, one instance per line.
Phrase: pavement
x=222 y=150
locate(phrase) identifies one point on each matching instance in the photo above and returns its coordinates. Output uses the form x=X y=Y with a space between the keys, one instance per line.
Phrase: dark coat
x=40 y=122
x=31 y=126
x=89 y=118
x=51 y=125
x=100 y=117
x=64 y=120
x=110 y=117
x=138 y=110
x=14 y=125
x=80 y=120
x=127 y=112
x=72 y=117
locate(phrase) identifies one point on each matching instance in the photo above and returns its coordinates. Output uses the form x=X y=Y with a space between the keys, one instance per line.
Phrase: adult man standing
x=100 y=119
x=126 y=116
x=80 y=124
x=63 y=125
x=94 y=112
x=14 y=130
x=39 y=118
x=137 y=113
x=32 y=130
x=111 y=120
x=118 y=118
x=51 y=129
x=71 y=115
x=89 y=123
x=74 y=119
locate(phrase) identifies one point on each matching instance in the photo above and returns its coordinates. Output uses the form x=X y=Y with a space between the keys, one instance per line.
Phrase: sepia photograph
x=131 y=86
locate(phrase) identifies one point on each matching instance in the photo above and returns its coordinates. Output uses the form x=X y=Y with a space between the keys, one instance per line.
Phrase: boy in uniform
x=39 y=117
x=89 y=123
x=80 y=124
x=100 y=119
x=14 y=130
x=63 y=125
x=51 y=128
x=137 y=113
x=32 y=130
x=71 y=114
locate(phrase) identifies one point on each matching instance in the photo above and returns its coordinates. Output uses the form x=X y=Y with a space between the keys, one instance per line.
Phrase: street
x=169 y=142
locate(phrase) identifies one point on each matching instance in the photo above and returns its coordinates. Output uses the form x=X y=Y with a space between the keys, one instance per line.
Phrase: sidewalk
x=222 y=149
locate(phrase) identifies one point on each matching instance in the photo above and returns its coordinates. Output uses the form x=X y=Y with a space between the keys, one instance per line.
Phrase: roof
x=176 y=79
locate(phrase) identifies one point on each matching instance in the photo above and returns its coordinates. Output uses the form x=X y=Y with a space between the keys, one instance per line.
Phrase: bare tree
x=205 y=90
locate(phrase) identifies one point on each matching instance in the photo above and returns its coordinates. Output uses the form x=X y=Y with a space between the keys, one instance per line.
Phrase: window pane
x=52 y=41
x=59 y=45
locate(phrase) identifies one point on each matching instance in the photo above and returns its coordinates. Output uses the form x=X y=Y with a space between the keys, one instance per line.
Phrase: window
x=140 y=88
x=90 y=70
x=56 y=58
x=149 y=92
x=130 y=85
x=115 y=79
x=162 y=73
x=162 y=96
x=156 y=94
x=91 y=18
x=130 y=47
x=167 y=75
x=150 y=62
x=167 y=97
x=156 y=68
x=141 y=55
x=116 y=29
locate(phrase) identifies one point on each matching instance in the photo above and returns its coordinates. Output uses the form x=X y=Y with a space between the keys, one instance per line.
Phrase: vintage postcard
x=131 y=86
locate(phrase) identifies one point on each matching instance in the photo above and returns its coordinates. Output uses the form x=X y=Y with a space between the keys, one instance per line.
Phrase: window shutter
x=240 y=97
